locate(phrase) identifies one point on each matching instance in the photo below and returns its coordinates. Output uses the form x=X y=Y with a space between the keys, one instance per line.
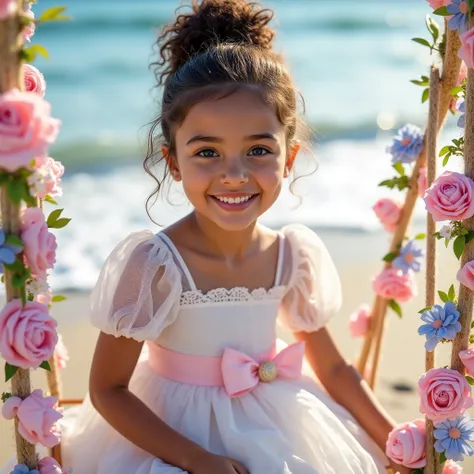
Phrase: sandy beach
x=357 y=256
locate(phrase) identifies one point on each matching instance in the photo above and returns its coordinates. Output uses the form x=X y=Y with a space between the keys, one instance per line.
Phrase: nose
x=234 y=173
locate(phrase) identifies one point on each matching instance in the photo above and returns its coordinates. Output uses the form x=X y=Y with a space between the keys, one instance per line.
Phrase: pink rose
x=451 y=467
x=61 y=353
x=435 y=4
x=422 y=182
x=51 y=172
x=359 y=321
x=29 y=30
x=406 y=444
x=465 y=275
x=27 y=334
x=392 y=284
x=49 y=465
x=34 y=80
x=40 y=244
x=444 y=394
x=37 y=418
x=467 y=357
x=466 y=51
x=26 y=129
x=450 y=197
x=389 y=212
x=7 y=8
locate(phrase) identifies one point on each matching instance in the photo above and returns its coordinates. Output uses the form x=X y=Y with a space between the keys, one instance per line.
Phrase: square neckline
x=176 y=253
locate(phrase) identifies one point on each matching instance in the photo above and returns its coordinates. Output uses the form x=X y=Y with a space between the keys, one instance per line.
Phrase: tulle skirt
x=285 y=427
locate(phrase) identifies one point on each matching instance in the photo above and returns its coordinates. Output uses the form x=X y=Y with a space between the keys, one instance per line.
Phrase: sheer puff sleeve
x=138 y=291
x=313 y=293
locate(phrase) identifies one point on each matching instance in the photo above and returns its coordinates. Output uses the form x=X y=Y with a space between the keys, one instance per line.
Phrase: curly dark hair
x=220 y=47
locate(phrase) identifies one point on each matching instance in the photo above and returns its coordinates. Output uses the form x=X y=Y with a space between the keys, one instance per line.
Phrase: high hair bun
x=212 y=22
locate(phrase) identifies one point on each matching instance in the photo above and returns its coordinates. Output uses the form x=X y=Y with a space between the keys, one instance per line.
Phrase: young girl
x=210 y=392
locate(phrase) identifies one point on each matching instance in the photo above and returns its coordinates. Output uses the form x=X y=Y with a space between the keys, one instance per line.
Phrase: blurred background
x=351 y=60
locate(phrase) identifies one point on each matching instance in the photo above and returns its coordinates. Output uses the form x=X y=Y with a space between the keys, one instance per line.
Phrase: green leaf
x=426 y=308
x=444 y=150
x=442 y=11
x=45 y=365
x=442 y=458
x=14 y=240
x=398 y=167
x=49 y=199
x=18 y=281
x=470 y=5
x=420 y=236
x=396 y=307
x=425 y=96
x=446 y=159
x=470 y=380
x=390 y=183
x=458 y=246
x=35 y=50
x=58 y=298
x=456 y=90
x=451 y=293
x=420 y=82
x=422 y=41
x=443 y=296
x=417 y=471
x=390 y=257
x=10 y=371
x=4 y=178
x=60 y=223
x=53 y=14
x=433 y=28
x=471 y=338
x=15 y=191
x=54 y=216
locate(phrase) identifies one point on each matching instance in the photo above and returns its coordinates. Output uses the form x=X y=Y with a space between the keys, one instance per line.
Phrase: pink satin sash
x=237 y=372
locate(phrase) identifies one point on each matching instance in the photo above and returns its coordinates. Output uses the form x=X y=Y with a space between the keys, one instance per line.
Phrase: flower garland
x=396 y=283
x=28 y=176
x=446 y=393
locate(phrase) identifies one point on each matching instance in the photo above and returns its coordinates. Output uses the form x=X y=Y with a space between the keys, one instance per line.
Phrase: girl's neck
x=221 y=242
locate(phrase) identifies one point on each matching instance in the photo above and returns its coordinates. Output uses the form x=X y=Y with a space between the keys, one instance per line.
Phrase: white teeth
x=236 y=200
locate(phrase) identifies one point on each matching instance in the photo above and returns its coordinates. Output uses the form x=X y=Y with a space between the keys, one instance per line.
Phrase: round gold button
x=267 y=371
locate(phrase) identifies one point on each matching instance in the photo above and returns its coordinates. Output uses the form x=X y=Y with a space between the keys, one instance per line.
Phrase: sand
x=357 y=256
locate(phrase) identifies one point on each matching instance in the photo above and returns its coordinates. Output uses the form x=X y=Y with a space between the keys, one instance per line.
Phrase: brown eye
x=259 y=151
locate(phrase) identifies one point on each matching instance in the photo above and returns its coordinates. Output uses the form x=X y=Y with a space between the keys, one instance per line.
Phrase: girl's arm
x=112 y=367
x=345 y=385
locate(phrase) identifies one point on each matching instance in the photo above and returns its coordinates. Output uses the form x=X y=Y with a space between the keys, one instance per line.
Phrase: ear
x=290 y=159
x=171 y=163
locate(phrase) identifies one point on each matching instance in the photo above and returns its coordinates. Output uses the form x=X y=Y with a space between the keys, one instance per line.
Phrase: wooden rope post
x=373 y=338
x=11 y=76
x=465 y=295
x=432 y=460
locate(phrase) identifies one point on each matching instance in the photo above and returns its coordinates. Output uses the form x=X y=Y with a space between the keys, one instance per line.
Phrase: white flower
x=38 y=287
x=38 y=181
x=446 y=231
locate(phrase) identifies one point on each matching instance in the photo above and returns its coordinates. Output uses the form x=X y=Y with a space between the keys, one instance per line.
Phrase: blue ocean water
x=351 y=60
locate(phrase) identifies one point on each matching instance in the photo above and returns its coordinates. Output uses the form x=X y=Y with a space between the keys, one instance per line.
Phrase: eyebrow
x=258 y=136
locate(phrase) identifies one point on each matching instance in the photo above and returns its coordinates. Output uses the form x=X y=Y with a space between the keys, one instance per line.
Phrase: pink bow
x=241 y=373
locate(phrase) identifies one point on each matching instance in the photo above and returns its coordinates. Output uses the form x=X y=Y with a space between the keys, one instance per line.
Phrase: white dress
x=146 y=292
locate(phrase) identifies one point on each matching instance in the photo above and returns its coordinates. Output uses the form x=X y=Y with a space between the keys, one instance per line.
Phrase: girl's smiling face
x=231 y=156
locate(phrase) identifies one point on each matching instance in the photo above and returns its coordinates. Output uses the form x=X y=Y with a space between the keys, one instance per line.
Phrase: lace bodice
x=145 y=288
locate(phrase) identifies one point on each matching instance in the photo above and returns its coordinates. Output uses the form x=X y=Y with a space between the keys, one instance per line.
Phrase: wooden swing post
x=11 y=77
x=373 y=338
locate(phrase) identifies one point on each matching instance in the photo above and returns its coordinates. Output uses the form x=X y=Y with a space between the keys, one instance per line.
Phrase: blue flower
x=7 y=251
x=462 y=119
x=407 y=145
x=407 y=260
x=452 y=438
x=460 y=11
x=441 y=323
x=23 y=469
